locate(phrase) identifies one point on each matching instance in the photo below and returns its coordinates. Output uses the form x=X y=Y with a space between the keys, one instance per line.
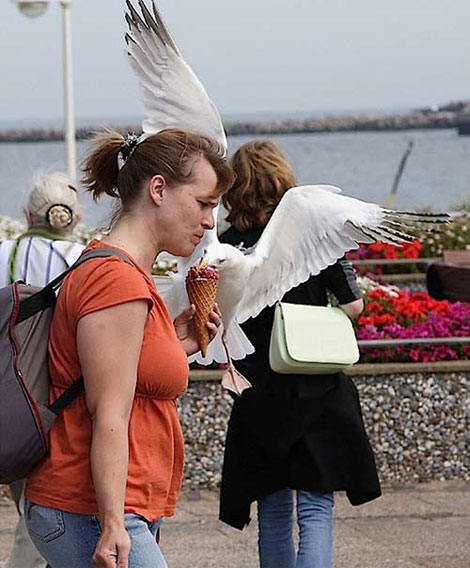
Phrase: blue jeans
x=69 y=540
x=276 y=523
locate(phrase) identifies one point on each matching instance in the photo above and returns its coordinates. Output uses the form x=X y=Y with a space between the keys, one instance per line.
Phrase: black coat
x=299 y=431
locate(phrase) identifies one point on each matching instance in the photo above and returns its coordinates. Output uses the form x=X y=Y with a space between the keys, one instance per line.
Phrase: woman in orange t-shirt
x=116 y=456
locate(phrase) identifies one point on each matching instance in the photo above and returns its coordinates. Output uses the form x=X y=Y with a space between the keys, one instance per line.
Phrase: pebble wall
x=418 y=424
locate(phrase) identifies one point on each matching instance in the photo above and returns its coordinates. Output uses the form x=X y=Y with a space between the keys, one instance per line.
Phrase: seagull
x=311 y=228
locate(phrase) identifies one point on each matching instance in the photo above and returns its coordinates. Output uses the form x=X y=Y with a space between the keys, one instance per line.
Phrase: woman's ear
x=157 y=188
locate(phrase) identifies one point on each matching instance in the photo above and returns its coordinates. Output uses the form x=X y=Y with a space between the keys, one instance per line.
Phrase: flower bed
x=398 y=314
x=389 y=252
x=12 y=228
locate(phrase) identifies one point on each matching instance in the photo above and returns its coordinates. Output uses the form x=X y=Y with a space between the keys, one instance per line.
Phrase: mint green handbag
x=311 y=340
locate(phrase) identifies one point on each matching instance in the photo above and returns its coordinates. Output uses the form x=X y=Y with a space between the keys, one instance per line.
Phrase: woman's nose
x=208 y=220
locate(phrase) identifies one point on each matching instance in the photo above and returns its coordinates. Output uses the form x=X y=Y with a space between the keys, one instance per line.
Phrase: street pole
x=34 y=9
x=69 y=120
x=396 y=181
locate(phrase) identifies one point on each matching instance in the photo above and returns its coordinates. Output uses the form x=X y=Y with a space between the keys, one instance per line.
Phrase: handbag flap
x=320 y=334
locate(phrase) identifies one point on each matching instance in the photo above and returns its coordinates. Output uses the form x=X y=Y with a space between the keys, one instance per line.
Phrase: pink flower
x=406 y=315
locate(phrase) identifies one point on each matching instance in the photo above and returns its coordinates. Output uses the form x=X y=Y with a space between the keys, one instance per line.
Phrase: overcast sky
x=253 y=56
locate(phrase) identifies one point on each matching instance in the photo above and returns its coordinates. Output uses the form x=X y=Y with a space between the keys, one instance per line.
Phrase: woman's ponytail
x=100 y=167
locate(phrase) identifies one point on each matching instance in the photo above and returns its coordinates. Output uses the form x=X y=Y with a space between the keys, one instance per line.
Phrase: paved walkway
x=423 y=526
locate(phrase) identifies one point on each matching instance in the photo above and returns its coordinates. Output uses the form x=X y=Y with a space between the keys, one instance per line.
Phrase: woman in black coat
x=290 y=435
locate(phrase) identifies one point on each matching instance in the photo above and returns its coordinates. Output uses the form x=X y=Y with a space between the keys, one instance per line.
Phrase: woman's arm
x=109 y=342
x=353 y=309
x=340 y=278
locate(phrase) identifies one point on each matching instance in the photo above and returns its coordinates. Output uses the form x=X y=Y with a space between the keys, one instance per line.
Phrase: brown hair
x=170 y=153
x=263 y=175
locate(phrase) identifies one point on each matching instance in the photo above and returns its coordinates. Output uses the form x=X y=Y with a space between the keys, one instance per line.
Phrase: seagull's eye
x=221 y=260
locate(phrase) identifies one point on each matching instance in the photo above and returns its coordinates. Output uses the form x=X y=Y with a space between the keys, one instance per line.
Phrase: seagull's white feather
x=172 y=95
x=174 y=294
x=330 y=188
x=240 y=347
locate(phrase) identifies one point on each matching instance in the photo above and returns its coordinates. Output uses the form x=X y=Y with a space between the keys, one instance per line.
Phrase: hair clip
x=128 y=146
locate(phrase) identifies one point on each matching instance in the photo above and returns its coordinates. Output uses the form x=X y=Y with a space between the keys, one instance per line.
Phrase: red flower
x=378 y=293
x=374 y=307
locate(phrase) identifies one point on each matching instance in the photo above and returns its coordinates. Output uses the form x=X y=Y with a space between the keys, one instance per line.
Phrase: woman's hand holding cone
x=186 y=329
x=201 y=285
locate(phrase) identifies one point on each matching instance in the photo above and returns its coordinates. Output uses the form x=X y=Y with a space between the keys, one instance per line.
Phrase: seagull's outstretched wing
x=172 y=95
x=311 y=228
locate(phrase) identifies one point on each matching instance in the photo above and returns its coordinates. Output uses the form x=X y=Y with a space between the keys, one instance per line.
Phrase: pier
x=452 y=115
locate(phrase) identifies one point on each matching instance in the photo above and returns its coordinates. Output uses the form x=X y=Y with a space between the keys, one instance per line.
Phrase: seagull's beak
x=202 y=264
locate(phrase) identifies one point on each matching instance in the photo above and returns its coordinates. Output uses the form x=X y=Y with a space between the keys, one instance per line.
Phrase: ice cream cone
x=202 y=293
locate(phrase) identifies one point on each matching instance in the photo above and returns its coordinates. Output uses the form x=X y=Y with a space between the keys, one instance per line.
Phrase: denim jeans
x=69 y=540
x=276 y=526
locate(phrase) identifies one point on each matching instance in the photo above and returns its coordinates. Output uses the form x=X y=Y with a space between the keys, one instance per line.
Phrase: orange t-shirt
x=63 y=480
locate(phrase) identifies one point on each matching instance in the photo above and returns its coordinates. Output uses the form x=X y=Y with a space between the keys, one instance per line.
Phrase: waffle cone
x=202 y=293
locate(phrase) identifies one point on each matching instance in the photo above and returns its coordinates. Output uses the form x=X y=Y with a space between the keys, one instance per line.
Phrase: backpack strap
x=78 y=386
x=68 y=396
x=95 y=253
x=46 y=297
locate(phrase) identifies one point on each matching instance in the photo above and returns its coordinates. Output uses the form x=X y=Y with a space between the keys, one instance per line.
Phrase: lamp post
x=34 y=9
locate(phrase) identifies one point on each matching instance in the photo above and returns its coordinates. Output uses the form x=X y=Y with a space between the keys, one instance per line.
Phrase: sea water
x=363 y=164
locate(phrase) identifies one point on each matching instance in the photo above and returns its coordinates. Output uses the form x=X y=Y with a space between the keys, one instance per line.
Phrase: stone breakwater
x=365 y=123
x=418 y=424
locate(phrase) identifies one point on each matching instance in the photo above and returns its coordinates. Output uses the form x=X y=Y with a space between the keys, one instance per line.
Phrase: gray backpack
x=25 y=413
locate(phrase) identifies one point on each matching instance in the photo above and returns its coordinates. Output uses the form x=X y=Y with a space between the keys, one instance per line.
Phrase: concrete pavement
x=421 y=526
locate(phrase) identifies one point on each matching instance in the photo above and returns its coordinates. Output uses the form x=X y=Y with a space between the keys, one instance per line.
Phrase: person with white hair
x=37 y=256
x=45 y=249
